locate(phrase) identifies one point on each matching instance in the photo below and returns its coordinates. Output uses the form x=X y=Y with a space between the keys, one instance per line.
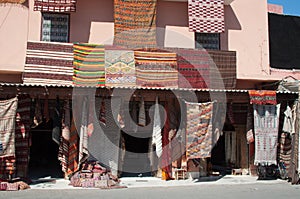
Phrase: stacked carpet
x=94 y=175
x=55 y=5
x=199 y=130
x=8 y=110
x=22 y=135
x=119 y=68
x=193 y=67
x=48 y=63
x=206 y=16
x=155 y=68
x=89 y=65
x=135 y=23
x=266 y=120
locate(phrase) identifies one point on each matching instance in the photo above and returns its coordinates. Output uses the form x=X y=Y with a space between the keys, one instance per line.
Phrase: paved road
x=250 y=191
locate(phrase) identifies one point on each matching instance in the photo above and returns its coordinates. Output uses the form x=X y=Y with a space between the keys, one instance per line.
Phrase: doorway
x=43 y=160
x=136 y=161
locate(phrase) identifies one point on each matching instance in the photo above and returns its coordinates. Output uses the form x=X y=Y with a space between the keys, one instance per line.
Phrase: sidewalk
x=135 y=182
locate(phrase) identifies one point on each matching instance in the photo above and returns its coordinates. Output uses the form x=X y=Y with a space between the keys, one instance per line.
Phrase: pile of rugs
x=13 y=185
x=93 y=175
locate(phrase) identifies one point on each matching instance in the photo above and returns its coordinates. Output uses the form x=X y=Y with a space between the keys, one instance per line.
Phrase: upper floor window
x=55 y=27
x=210 y=41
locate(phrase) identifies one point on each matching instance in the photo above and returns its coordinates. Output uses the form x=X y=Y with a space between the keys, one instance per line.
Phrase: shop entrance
x=43 y=160
x=136 y=161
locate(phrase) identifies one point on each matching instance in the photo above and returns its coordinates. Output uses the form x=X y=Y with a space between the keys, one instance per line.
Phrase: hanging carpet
x=199 y=130
x=55 y=5
x=135 y=23
x=193 y=67
x=119 y=68
x=22 y=135
x=206 y=16
x=48 y=63
x=262 y=97
x=8 y=109
x=155 y=68
x=89 y=65
x=266 y=120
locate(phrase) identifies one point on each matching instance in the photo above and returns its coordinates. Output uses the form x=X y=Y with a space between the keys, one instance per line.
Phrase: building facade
x=238 y=60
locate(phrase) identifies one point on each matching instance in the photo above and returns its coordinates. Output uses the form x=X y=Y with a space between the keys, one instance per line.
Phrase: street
x=242 y=191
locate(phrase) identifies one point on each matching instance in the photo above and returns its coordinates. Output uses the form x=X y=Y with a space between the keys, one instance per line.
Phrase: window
x=209 y=41
x=55 y=27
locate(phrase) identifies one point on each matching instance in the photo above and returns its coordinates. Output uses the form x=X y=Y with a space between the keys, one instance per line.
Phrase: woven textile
x=135 y=23
x=119 y=68
x=262 y=97
x=155 y=68
x=48 y=63
x=22 y=135
x=72 y=162
x=294 y=161
x=63 y=150
x=223 y=69
x=288 y=122
x=156 y=133
x=142 y=113
x=83 y=140
x=8 y=110
x=193 y=68
x=89 y=65
x=266 y=120
x=285 y=141
x=285 y=149
x=230 y=147
x=12 y=1
x=199 y=130
x=55 y=5
x=102 y=115
x=206 y=16
x=166 y=156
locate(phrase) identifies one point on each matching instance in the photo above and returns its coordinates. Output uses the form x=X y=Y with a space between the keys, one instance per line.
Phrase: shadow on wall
x=176 y=14
x=85 y=14
x=170 y=14
x=231 y=23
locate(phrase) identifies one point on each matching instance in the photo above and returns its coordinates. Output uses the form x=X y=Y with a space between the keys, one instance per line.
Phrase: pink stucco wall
x=34 y=23
x=248 y=36
x=13 y=37
x=246 y=33
x=278 y=9
x=89 y=11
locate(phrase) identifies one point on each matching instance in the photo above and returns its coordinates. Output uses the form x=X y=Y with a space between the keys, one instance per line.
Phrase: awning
x=140 y=88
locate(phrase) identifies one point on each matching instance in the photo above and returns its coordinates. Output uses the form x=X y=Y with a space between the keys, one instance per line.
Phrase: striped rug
x=199 y=130
x=193 y=67
x=119 y=68
x=55 y=5
x=285 y=149
x=8 y=110
x=135 y=23
x=48 y=63
x=155 y=68
x=89 y=65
